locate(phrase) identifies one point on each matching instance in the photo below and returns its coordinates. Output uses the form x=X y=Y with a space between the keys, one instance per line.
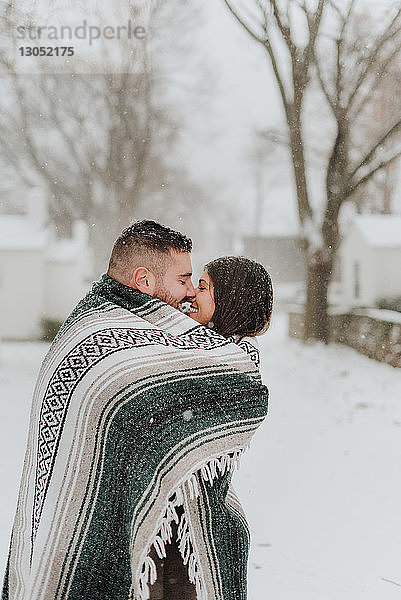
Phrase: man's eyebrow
x=186 y=275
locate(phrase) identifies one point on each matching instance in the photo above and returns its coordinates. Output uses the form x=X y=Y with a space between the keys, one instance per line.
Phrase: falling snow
x=320 y=483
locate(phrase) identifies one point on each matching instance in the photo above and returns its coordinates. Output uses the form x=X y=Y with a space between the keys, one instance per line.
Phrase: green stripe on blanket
x=137 y=411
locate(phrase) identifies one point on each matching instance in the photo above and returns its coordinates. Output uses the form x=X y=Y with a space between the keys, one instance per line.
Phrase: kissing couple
x=140 y=414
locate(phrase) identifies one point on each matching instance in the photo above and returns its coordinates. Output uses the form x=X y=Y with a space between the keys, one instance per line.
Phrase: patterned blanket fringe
x=209 y=471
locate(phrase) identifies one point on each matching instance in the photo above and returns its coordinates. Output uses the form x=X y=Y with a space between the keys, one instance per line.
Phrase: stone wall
x=375 y=333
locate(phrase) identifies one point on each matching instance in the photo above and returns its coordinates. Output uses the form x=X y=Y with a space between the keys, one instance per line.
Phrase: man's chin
x=164 y=296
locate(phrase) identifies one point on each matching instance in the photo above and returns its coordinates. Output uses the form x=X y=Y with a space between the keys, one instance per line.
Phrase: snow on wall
x=60 y=277
x=40 y=276
x=17 y=233
x=380 y=231
x=21 y=293
x=370 y=263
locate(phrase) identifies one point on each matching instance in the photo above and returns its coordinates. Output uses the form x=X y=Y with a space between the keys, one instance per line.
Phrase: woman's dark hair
x=243 y=295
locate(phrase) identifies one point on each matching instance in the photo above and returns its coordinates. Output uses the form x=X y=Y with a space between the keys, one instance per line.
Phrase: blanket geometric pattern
x=137 y=411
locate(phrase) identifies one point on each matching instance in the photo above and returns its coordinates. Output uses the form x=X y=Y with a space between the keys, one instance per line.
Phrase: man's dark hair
x=243 y=295
x=145 y=244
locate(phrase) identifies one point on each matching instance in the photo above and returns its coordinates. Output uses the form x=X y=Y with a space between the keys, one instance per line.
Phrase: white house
x=40 y=276
x=370 y=259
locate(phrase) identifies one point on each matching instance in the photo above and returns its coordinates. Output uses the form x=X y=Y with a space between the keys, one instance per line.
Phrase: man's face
x=176 y=286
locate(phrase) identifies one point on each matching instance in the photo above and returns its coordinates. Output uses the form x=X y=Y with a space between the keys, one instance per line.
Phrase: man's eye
x=183 y=282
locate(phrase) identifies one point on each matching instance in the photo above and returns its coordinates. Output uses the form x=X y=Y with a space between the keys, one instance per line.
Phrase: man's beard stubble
x=162 y=294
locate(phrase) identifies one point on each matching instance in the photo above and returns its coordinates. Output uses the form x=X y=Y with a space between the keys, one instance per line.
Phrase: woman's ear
x=143 y=280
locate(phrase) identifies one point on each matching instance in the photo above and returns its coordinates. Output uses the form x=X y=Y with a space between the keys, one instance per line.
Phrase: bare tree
x=377 y=195
x=99 y=144
x=298 y=43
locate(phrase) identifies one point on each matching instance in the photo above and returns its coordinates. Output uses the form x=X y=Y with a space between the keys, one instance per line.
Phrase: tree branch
x=244 y=25
x=313 y=26
x=353 y=187
x=370 y=60
x=368 y=157
x=267 y=45
x=323 y=85
x=284 y=28
x=356 y=109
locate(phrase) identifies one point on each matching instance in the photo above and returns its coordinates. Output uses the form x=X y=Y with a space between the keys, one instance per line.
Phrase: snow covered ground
x=19 y=365
x=321 y=484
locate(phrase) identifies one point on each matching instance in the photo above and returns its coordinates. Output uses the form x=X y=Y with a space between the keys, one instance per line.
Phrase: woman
x=235 y=298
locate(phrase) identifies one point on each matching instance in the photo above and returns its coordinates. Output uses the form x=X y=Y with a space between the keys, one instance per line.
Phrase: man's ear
x=143 y=280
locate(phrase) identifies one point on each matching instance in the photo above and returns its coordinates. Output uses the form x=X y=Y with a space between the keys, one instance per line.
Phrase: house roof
x=18 y=233
x=380 y=231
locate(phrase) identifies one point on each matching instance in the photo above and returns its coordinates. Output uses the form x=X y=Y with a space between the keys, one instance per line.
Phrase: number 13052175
x=46 y=50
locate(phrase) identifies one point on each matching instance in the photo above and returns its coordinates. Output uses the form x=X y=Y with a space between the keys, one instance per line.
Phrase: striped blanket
x=138 y=419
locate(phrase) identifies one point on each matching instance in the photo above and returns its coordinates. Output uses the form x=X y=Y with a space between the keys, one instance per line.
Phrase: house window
x=357 y=280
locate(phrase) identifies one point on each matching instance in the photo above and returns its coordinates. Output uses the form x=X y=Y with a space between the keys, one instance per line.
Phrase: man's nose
x=190 y=290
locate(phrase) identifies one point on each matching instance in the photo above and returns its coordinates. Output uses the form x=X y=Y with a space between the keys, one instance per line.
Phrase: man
x=166 y=276
x=138 y=418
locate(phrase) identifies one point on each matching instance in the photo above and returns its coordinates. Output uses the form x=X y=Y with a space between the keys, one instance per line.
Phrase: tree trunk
x=316 y=308
x=298 y=164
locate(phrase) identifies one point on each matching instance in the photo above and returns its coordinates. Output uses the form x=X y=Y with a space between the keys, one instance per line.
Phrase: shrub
x=390 y=303
x=49 y=328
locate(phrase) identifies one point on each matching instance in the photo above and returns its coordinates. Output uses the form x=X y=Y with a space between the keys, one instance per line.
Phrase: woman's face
x=203 y=305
